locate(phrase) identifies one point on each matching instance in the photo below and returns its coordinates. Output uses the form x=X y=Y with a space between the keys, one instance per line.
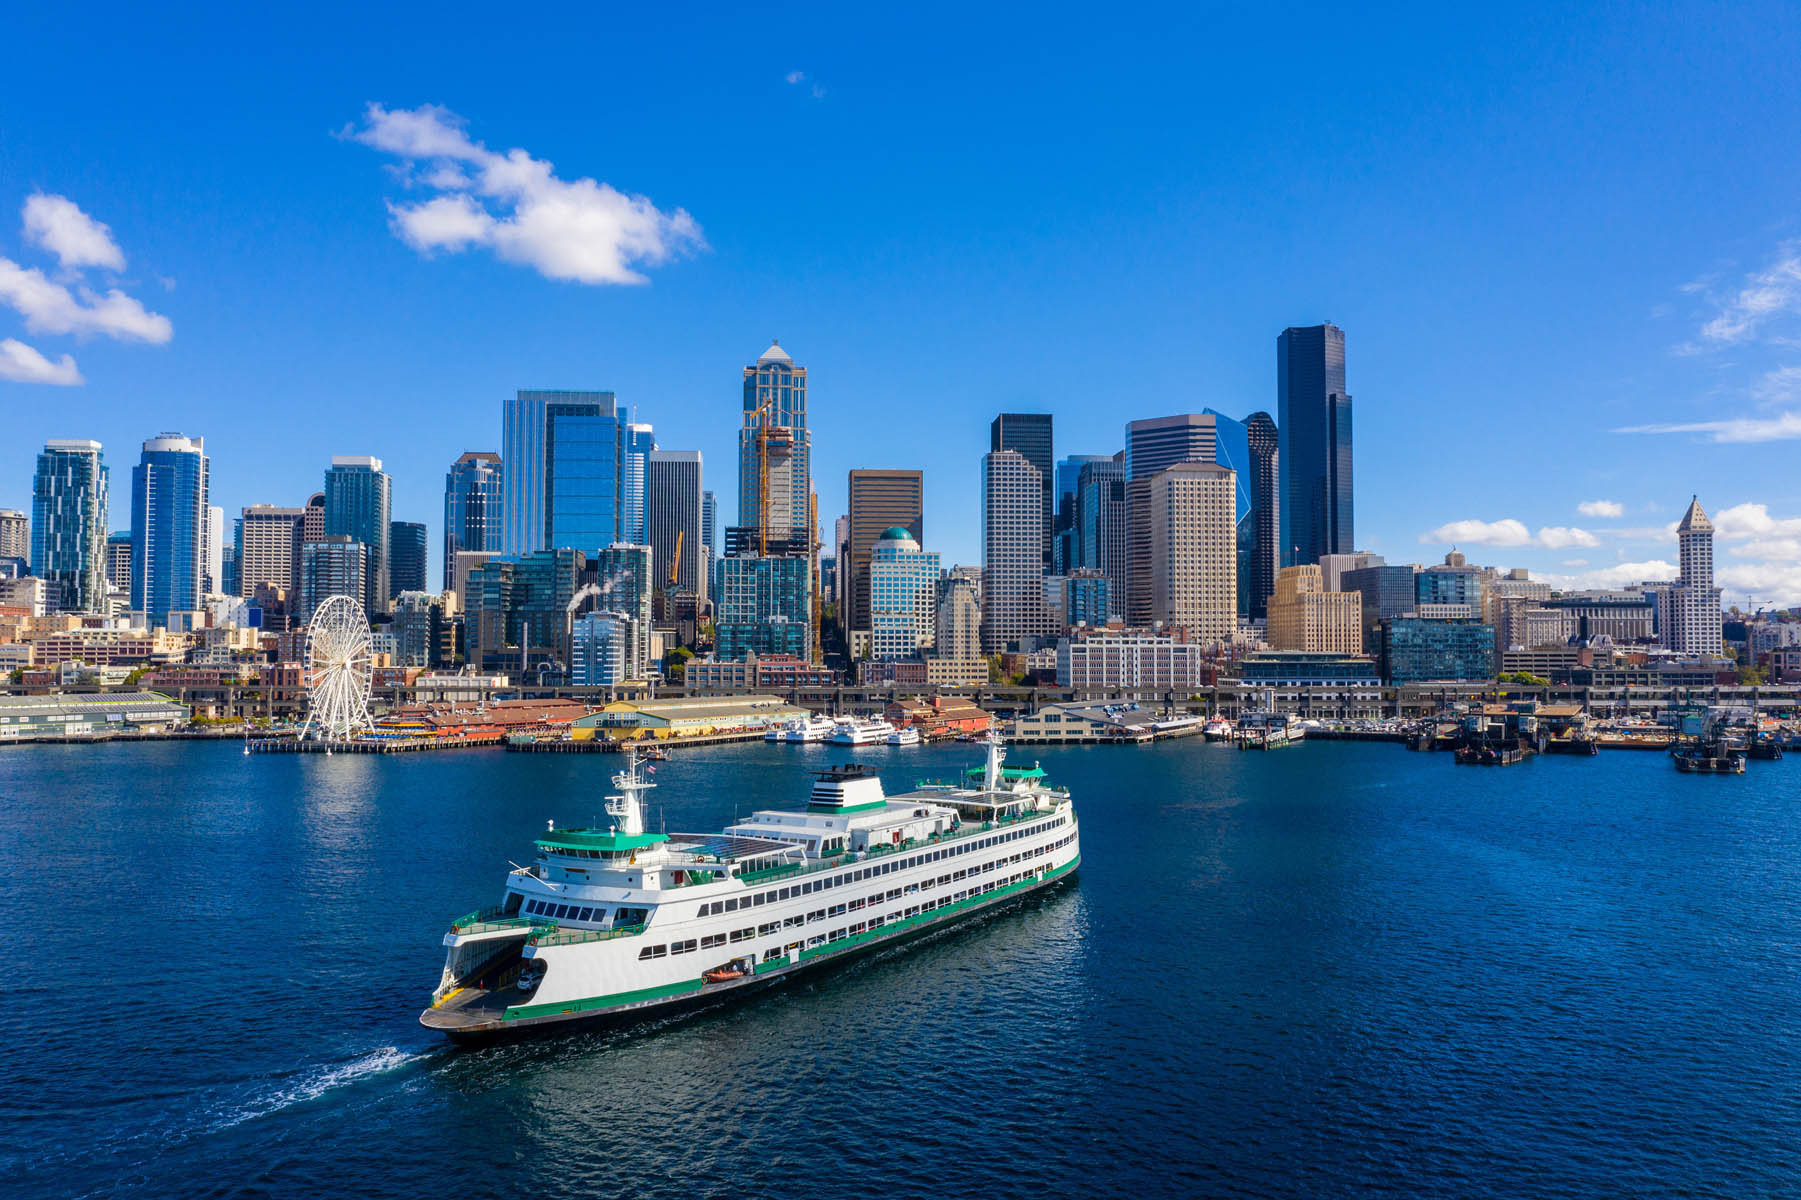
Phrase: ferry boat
x=806 y=729
x=855 y=732
x=906 y=735
x=1218 y=729
x=613 y=924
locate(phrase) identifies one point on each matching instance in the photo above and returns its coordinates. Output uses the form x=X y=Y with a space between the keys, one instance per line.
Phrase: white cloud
x=1562 y=537
x=1743 y=521
x=516 y=206
x=1509 y=532
x=796 y=77
x=21 y=364
x=1782 y=427
x=1506 y=532
x=1779 y=386
x=1601 y=508
x=1776 y=584
x=58 y=225
x=1628 y=573
x=50 y=307
x=1764 y=295
x=1574 y=562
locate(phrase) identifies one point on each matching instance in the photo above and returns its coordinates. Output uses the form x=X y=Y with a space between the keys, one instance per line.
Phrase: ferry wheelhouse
x=620 y=922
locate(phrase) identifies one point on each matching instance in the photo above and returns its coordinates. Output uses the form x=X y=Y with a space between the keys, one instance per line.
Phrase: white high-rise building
x=903 y=591
x=1012 y=551
x=601 y=649
x=1694 y=625
x=1193 y=549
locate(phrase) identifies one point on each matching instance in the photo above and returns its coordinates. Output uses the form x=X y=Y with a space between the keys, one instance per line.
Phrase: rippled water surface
x=1331 y=970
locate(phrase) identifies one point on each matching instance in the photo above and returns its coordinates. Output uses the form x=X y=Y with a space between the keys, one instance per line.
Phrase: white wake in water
x=311 y=1084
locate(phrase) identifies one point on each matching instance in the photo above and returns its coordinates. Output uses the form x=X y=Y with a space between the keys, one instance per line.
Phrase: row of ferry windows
x=777 y=895
x=551 y=910
x=855 y=927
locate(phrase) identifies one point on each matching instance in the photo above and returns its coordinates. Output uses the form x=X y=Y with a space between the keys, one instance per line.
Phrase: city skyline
x=1583 y=333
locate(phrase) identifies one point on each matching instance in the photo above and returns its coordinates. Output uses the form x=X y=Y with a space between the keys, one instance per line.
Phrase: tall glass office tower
x=564 y=482
x=358 y=495
x=1259 y=578
x=775 y=396
x=472 y=512
x=169 y=515
x=68 y=523
x=638 y=442
x=1030 y=435
x=1314 y=426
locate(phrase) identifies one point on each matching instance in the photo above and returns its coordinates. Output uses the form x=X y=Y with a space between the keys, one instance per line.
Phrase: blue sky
x=1537 y=229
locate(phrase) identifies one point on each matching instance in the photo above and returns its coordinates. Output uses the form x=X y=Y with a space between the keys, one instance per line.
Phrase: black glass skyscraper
x=1030 y=435
x=1314 y=429
x=1257 y=578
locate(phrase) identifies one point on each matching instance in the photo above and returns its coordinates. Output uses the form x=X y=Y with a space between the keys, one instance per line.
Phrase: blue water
x=1331 y=970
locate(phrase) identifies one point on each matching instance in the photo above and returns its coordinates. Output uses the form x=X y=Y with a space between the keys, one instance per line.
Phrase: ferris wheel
x=339 y=670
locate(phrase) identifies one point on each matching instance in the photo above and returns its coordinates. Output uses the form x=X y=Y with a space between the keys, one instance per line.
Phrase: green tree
x=675 y=664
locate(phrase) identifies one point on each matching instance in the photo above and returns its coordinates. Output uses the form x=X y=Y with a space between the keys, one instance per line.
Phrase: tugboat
x=1705 y=749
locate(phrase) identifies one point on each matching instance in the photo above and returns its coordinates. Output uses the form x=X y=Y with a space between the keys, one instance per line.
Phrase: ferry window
x=857 y=903
x=783 y=894
x=859 y=927
x=587 y=915
x=712 y=940
x=732 y=904
x=759 y=898
x=513 y=902
x=791 y=922
x=562 y=912
x=837 y=910
x=818 y=915
x=766 y=930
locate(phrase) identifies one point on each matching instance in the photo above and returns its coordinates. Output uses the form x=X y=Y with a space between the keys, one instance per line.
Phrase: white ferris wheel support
x=340 y=670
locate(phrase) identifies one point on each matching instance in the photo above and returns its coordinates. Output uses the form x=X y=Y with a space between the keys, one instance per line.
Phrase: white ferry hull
x=702 y=995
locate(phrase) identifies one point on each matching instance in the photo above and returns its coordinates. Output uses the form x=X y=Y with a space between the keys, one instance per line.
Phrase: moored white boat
x=854 y=731
x=804 y=729
x=906 y=735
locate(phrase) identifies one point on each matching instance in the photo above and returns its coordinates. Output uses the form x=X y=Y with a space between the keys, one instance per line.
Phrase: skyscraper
x=1193 y=549
x=1314 y=429
x=1030 y=435
x=1013 y=610
x=1303 y=615
x=1694 y=603
x=1066 y=549
x=15 y=534
x=672 y=485
x=312 y=526
x=1102 y=525
x=334 y=565
x=358 y=494
x=1257 y=578
x=68 y=523
x=879 y=500
x=637 y=442
x=213 y=552
x=269 y=542
x=903 y=595
x=625 y=578
x=564 y=482
x=709 y=522
x=118 y=561
x=1154 y=445
x=168 y=527
x=776 y=445
x=406 y=557
x=472 y=507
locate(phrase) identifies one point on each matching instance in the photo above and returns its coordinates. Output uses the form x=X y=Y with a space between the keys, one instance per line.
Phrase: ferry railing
x=492 y=912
